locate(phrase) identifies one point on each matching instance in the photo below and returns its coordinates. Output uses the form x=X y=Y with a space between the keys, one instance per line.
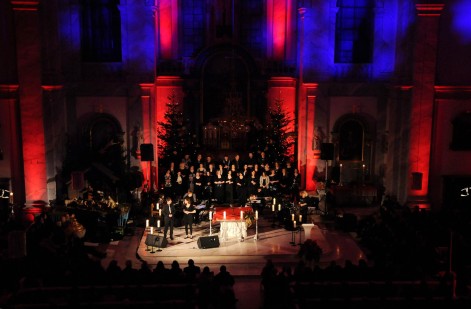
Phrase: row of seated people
x=190 y=286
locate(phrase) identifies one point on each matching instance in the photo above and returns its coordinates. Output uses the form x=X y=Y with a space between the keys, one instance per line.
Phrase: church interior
x=367 y=102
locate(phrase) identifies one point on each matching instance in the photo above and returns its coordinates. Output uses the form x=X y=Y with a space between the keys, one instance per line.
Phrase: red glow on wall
x=278 y=22
x=420 y=148
x=34 y=161
x=165 y=17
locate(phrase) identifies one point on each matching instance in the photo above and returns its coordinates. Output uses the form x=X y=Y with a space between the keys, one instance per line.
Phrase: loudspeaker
x=205 y=242
x=327 y=151
x=156 y=241
x=147 y=152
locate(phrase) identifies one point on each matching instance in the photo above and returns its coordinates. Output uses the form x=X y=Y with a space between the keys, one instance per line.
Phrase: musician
x=192 y=196
x=188 y=212
x=229 y=187
x=241 y=189
x=168 y=213
x=264 y=184
x=256 y=203
x=219 y=189
x=226 y=163
x=295 y=184
x=303 y=205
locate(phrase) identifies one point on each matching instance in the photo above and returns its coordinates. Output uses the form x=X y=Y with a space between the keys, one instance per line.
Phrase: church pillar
x=166 y=25
x=311 y=158
x=424 y=71
x=148 y=129
x=28 y=47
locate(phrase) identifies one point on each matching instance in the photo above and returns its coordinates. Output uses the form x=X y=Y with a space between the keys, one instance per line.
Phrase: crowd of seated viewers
x=401 y=243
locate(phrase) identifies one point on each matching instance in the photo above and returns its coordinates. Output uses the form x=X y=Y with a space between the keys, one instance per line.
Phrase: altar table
x=232 y=225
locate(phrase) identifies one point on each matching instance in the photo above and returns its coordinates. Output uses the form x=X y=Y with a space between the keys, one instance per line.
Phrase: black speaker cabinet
x=327 y=151
x=205 y=242
x=153 y=240
x=147 y=152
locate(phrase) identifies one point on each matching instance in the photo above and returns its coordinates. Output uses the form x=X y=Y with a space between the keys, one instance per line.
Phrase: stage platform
x=248 y=257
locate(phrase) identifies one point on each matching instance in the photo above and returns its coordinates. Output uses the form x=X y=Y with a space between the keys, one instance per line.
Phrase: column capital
x=429 y=9
x=8 y=91
x=25 y=5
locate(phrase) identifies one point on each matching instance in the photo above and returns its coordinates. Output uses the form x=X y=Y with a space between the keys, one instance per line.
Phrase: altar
x=232 y=221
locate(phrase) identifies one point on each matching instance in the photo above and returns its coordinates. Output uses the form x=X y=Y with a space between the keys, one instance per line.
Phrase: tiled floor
x=244 y=259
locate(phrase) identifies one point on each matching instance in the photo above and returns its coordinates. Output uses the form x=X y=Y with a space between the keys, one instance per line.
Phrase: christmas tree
x=279 y=140
x=173 y=133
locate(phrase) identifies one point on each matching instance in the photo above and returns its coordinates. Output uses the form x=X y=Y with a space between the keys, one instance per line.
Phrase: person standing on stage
x=188 y=212
x=168 y=213
x=241 y=189
x=219 y=189
x=295 y=185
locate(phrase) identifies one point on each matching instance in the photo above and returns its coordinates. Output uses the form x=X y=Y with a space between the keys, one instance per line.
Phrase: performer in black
x=241 y=189
x=303 y=206
x=188 y=212
x=219 y=189
x=168 y=212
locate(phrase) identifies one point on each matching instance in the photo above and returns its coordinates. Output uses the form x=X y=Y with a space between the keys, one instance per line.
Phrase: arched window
x=354 y=31
x=100 y=31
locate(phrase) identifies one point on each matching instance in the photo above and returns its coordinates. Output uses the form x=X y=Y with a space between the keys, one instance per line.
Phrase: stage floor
x=248 y=257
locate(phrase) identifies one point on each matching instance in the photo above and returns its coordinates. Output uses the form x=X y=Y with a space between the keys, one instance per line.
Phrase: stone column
x=424 y=74
x=28 y=46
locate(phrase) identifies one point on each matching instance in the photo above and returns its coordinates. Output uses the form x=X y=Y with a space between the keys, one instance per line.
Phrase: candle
x=292 y=217
x=158 y=223
x=241 y=215
x=224 y=215
x=274 y=200
x=256 y=214
x=294 y=224
x=158 y=206
x=210 y=216
x=279 y=207
x=273 y=207
x=160 y=212
x=147 y=223
x=152 y=230
x=300 y=218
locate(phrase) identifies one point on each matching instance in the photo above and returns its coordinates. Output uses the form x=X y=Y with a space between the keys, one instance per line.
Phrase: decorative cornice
x=19 y=5
x=453 y=92
x=9 y=88
x=429 y=9
x=452 y=89
x=404 y=87
x=52 y=87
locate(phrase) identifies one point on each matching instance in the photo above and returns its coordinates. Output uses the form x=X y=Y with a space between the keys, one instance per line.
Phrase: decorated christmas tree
x=173 y=133
x=279 y=140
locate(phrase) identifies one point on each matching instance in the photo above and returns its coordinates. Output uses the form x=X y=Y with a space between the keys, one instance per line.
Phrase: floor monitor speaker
x=153 y=240
x=205 y=242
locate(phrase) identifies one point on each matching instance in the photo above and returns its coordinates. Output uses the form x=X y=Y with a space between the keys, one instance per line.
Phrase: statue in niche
x=319 y=137
x=136 y=140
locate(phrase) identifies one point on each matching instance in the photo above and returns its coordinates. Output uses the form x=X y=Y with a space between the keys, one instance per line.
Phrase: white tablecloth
x=232 y=229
